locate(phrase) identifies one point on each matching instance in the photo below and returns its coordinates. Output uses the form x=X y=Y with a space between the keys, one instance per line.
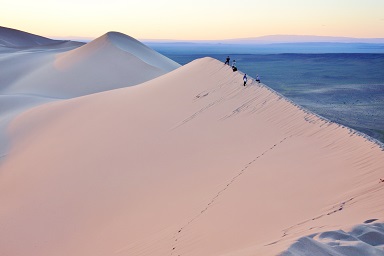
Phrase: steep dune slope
x=189 y=163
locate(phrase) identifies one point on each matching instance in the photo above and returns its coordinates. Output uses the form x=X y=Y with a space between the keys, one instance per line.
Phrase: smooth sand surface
x=189 y=163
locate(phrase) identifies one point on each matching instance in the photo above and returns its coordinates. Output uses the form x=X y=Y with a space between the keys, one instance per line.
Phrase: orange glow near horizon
x=194 y=20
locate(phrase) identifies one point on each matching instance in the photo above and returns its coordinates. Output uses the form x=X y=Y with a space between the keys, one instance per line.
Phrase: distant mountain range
x=302 y=39
x=275 y=39
x=270 y=44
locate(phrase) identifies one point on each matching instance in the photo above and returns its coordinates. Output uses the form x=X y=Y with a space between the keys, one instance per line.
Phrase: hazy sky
x=196 y=19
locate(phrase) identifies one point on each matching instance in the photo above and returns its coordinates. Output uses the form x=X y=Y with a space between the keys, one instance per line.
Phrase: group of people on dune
x=234 y=68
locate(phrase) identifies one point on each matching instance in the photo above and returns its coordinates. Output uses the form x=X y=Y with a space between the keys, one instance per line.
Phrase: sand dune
x=19 y=39
x=189 y=163
x=109 y=62
x=12 y=40
x=123 y=44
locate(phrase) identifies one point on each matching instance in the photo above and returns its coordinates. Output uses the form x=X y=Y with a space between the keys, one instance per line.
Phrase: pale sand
x=189 y=163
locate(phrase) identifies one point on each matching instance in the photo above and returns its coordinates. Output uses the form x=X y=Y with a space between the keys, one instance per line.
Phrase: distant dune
x=12 y=38
x=109 y=62
x=16 y=38
x=187 y=162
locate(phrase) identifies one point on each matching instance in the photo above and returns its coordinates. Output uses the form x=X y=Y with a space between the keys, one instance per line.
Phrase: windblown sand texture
x=186 y=162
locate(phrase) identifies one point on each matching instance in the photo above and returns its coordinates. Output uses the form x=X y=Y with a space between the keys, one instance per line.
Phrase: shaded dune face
x=189 y=163
x=364 y=239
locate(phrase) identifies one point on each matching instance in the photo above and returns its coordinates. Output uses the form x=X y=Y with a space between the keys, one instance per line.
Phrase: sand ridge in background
x=188 y=163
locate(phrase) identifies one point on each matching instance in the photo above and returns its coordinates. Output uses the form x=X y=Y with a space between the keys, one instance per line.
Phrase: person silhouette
x=227 y=60
x=245 y=79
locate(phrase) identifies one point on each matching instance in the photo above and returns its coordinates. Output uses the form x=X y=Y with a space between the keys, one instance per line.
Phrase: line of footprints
x=179 y=232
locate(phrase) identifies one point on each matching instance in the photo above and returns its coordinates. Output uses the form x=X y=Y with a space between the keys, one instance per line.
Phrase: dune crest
x=189 y=163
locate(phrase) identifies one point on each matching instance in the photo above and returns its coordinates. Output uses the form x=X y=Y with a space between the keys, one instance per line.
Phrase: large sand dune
x=189 y=163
